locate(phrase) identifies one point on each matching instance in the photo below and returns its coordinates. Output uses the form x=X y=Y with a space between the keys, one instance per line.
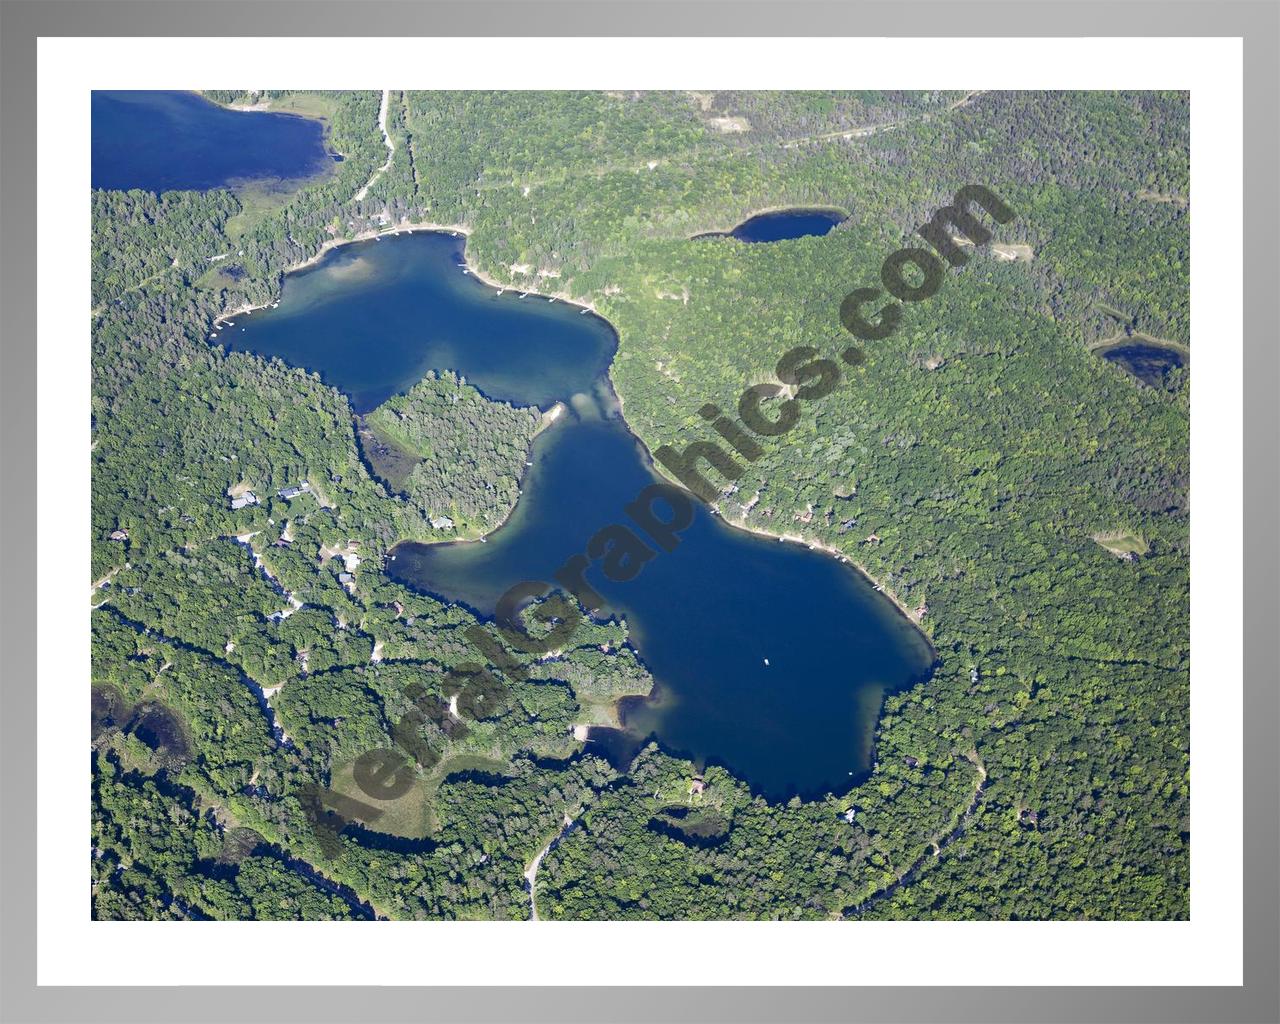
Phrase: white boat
x=766 y=662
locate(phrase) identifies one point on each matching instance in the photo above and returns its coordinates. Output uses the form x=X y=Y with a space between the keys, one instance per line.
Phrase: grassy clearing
x=409 y=816
x=257 y=204
x=1013 y=251
x=260 y=202
x=214 y=279
x=319 y=105
x=413 y=815
x=1122 y=543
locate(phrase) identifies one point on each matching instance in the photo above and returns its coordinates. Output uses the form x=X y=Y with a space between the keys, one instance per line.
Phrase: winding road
x=386 y=139
x=936 y=845
x=531 y=872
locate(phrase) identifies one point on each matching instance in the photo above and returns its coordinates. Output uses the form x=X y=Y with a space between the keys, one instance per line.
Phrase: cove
x=163 y=141
x=705 y=617
x=780 y=225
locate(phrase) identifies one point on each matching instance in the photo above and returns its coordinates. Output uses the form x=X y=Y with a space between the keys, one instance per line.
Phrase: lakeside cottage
x=244 y=500
x=289 y=493
x=441 y=523
x=121 y=535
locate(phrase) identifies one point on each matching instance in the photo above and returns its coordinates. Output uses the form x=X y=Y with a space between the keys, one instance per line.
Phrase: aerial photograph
x=640 y=505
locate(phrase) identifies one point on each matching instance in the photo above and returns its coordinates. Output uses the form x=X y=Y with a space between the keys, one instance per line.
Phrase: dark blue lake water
x=164 y=141
x=1149 y=363
x=781 y=225
x=371 y=318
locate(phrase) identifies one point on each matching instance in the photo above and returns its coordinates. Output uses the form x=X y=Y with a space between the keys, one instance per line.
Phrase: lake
x=1150 y=363
x=371 y=318
x=780 y=225
x=164 y=141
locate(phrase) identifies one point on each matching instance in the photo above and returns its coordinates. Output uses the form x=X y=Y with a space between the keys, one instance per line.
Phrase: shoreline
x=795 y=538
x=841 y=556
x=1104 y=345
x=404 y=227
x=265 y=107
x=550 y=416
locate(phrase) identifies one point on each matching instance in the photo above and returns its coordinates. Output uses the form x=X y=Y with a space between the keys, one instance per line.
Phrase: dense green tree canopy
x=982 y=464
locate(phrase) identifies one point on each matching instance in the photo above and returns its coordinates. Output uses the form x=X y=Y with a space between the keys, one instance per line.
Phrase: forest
x=980 y=463
x=460 y=456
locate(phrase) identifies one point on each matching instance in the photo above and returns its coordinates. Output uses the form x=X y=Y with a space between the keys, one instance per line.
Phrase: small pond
x=780 y=225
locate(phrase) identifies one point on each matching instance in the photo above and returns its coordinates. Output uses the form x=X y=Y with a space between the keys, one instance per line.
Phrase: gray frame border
x=1256 y=21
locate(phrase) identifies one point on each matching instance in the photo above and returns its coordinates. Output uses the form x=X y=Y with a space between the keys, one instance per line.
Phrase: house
x=697 y=786
x=346 y=578
x=973 y=674
x=441 y=523
x=849 y=815
x=289 y=493
x=120 y=535
x=910 y=761
x=243 y=500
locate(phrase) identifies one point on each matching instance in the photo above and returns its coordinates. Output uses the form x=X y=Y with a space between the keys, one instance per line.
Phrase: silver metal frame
x=1258 y=23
